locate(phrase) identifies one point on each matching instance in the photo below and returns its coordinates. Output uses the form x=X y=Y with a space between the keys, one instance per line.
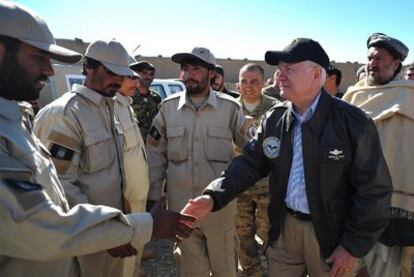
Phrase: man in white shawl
x=389 y=101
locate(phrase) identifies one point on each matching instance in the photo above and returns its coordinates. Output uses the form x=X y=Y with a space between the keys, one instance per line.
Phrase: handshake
x=169 y=224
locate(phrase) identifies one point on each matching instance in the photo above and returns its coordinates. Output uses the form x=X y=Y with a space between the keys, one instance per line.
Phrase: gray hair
x=323 y=71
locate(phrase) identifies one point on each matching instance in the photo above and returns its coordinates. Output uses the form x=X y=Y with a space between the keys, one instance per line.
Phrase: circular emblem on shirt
x=252 y=131
x=271 y=147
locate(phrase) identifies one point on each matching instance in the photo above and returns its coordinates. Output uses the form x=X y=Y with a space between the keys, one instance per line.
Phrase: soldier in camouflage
x=145 y=103
x=273 y=89
x=251 y=218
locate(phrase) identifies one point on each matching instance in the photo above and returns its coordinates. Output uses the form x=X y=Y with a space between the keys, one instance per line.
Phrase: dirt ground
x=164 y=264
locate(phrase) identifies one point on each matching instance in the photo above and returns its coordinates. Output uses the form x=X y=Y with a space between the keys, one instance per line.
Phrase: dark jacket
x=348 y=185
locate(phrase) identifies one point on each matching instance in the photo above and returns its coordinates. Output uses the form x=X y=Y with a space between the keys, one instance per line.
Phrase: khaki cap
x=24 y=25
x=199 y=53
x=112 y=55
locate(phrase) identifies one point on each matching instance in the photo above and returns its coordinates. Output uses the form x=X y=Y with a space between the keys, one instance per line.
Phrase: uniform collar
x=92 y=95
x=185 y=101
x=13 y=110
x=123 y=99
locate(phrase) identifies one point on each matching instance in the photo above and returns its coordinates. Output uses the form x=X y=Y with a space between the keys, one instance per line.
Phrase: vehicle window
x=158 y=89
x=175 y=88
x=72 y=79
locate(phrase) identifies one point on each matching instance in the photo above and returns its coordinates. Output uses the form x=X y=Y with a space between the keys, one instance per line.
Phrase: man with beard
x=39 y=234
x=389 y=101
x=409 y=73
x=146 y=102
x=217 y=82
x=189 y=145
x=83 y=136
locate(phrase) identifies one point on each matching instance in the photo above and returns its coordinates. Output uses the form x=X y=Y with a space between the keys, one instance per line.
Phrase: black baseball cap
x=301 y=49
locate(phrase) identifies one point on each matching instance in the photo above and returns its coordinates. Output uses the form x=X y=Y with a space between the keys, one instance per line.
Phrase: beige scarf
x=391 y=106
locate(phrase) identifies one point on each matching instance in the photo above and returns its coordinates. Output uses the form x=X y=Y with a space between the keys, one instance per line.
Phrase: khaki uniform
x=189 y=148
x=136 y=168
x=80 y=130
x=135 y=156
x=251 y=217
x=39 y=234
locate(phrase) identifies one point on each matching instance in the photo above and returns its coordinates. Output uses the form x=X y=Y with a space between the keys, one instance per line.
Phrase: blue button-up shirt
x=296 y=198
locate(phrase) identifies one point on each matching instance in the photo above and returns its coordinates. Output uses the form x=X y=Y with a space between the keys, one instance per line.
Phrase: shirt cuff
x=142 y=224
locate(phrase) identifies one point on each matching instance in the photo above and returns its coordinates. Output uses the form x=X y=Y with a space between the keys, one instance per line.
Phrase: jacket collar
x=90 y=94
x=315 y=123
x=123 y=99
x=185 y=100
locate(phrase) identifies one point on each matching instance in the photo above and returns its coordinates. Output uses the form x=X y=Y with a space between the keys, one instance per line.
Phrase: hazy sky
x=234 y=28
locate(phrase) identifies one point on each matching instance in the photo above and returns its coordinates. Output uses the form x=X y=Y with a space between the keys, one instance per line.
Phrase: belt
x=299 y=215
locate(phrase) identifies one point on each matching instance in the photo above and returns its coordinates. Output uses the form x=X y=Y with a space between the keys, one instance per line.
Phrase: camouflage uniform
x=251 y=218
x=272 y=92
x=146 y=108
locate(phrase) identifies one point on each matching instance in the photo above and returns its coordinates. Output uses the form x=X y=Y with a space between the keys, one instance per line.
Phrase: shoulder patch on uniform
x=154 y=136
x=11 y=168
x=23 y=185
x=155 y=133
x=61 y=152
x=29 y=196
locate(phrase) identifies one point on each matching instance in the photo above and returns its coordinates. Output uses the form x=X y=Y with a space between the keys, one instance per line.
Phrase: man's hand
x=199 y=207
x=170 y=225
x=122 y=251
x=342 y=262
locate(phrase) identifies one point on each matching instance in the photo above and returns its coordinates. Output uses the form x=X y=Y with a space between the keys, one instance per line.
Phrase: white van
x=166 y=87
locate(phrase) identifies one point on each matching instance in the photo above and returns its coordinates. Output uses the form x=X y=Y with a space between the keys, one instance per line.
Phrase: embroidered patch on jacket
x=61 y=152
x=336 y=154
x=271 y=147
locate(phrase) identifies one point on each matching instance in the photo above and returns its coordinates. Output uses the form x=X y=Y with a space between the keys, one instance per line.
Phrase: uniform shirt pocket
x=99 y=150
x=177 y=143
x=219 y=146
x=131 y=133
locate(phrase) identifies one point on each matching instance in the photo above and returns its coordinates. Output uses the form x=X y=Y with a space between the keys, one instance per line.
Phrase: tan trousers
x=296 y=252
x=208 y=251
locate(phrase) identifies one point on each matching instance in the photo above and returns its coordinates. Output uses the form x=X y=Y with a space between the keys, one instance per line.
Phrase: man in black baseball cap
x=329 y=184
x=301 y=49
